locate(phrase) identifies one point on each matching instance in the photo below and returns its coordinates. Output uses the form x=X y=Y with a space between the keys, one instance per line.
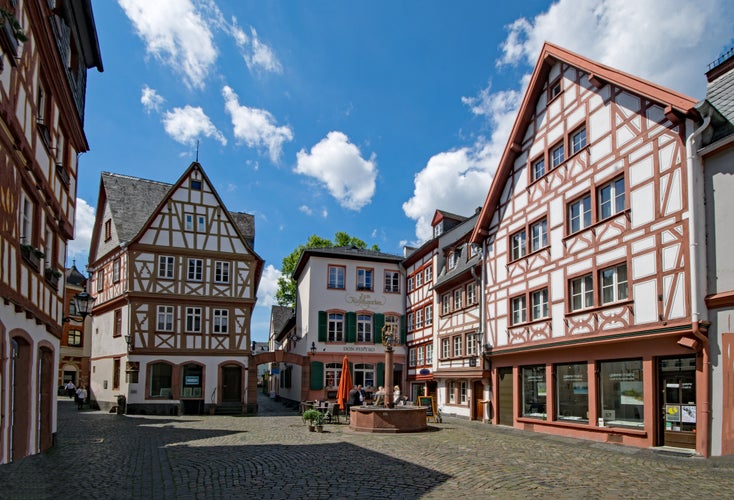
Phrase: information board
x=430 y=405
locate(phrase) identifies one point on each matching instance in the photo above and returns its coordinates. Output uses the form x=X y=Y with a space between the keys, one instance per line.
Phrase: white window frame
x=557 y=155
x=457 y=345
x=457 y=299
x=193 y=320
x=615 y=281
x=418 y=319
x=221 y=271
x=578 y=140
x=335 y=328
x=365 y=279
x=518 y=245
x=429 y=315
x=336 y=277
x=364 y=328
x=538 y=235
x=581 y=290
x=445 y=348
x=116 y=270
x=519 y=309
x=538 y=168
x=195 y=269
x=429 y=354
x=165 y=266
x=201 y=223
x=420 y=361
x=220 y=321
x=612 y=198
x=411 y=356
x=392 y=282
x=164 y=318
x=25 y=222
x=188 y=222
x=579 y=214
x=411 y=318
x=428 y=274
x=446 y=303
x=471 y=294
x=539 y=304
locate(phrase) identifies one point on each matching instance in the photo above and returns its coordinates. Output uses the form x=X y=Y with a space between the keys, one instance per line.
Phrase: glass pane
x=622 y=395
x=572 y=389
x=533 y=392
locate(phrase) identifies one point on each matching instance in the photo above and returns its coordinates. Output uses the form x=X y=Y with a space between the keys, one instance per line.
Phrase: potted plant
x=314 y=418
x=52 y=276
x=32 y=256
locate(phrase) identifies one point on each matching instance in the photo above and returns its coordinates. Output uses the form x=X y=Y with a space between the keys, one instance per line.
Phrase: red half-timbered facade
x=43 y=75
x=586 y=234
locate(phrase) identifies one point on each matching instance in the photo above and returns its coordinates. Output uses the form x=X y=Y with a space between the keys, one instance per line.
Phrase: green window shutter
x=379 y=323
x=351 y=370
x=380 y=374
x=317 y=375
x=322 y=326
x=351 y=334
x=403 y=330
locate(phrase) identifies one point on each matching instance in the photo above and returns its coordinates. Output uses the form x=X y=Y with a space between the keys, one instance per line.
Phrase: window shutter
x=403 y=331
x=322 y=326
x=380 y=374
x=351 y=335
x=379 y=323
x=317 y=375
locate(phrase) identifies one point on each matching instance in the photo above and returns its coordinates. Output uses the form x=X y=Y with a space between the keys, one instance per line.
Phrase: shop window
x=192 y=381
x=161 y=375
x=621 y=393
x=533 y=392
x=364 y=374
x=572 y=392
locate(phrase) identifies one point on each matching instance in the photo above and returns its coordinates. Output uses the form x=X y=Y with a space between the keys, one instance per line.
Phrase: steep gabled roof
x=677 y=106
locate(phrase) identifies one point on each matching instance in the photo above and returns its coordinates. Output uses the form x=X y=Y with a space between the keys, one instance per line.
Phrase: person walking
x=81 y=395
x=362 y=395
x=70 y=389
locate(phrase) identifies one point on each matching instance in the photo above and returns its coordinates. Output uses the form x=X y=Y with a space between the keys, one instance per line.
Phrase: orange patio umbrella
x=345 y=385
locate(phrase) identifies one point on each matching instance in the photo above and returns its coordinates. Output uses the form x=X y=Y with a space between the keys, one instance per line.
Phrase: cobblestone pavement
x=272 y=455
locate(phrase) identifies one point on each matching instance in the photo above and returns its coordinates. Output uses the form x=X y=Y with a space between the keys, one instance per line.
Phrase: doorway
x=478 y=397
x=506 y=400
x=677 y=388
x=231 y=384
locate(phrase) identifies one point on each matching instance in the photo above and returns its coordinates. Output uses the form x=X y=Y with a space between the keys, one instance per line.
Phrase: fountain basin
x=386 y=420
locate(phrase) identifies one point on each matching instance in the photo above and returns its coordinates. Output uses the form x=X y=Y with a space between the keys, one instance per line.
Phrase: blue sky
x=364 y=117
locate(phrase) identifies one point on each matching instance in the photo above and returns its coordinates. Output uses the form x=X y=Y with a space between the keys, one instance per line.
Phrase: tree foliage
x=286 y=294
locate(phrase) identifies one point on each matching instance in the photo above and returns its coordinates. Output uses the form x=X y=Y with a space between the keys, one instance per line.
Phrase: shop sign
x=424 y=371
x=191 y=380
x=365 y=300
x=359 y=349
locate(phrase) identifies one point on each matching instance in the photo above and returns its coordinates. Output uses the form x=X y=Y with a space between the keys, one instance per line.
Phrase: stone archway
x=274 y=357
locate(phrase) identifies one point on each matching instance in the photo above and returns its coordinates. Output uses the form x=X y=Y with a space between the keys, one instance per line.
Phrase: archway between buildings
x=274 y=357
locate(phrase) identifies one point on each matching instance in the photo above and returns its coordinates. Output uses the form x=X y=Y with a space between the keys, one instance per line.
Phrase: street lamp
x=313 y=348
x=83 y=302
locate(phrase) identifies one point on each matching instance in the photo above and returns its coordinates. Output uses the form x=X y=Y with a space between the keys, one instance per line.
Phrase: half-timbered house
x=591 y=315
x=43 y=75
x=75 y=349
x=175 y=278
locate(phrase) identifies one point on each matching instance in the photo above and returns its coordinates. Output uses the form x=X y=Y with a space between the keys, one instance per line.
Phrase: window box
x=63 y=174
x=52 y=277
x=32 y=256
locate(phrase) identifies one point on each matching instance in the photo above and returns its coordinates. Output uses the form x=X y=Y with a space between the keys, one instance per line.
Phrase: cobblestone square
x=272 y=455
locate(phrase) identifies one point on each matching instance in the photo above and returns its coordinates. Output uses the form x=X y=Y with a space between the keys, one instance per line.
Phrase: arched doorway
x=231 y=384
x=20 y=397
x=478 y=400
x=45 y=398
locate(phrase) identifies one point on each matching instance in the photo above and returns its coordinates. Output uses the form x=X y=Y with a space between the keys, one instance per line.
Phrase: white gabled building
x=175 y=278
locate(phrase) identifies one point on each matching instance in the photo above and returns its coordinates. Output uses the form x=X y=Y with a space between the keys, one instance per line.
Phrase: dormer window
x=454 y=258
x=438 y=229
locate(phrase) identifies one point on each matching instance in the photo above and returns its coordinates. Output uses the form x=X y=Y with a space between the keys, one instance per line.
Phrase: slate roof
x=279 y=316
x=346 y=252
x=720 y=97
x=74 y=277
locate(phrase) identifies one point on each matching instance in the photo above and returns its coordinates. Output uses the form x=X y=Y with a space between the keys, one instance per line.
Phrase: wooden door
x=231 y=384
x=727 y=364
x=478 y=397
x=505 y=398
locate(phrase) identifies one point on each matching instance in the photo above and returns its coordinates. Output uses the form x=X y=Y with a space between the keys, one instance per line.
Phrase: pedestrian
x=81 y=395
x=362 y=395
x=354 y=397
x=70 y=389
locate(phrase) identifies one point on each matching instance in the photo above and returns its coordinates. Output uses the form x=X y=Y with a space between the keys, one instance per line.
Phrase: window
x=429 y=354
x=533 y=391
x=517 y=245
x=201 y=223
x=579 y=214
x=418 y=279
x=364 y=374
x=192 y=381
x=108 y=229
x=74 y=338
x=419 y=318
x=195 y=185
x=572 y=392
x=539 y=304
x=621 y=391
x=471 y=294
x=410 y=284
x=220 y=319
x=332 y=373
x=445 y=348
x=189 y=222
x=611 y=198
x=446 y=303
x=538 y=235
x=118 y=323
x=420 y=361
x=451 y=387
x=554 y=89
x=193 y=319
x=411 y=318
x=26 y=220
x=164 y=319
x=364 y=328
x=196 y=267
x=582 y=292
x=613 y=284
x=336 y=277
x=457 y=346
x=538 y=169
x=428 y=274
x=335 y=331
x=557 y=157
x=519 y=310
x=392 y=282
x=161 y=375
x=438 y=229
x=578 y=141
x=165 y=266
x=471 y=344
x=429 y=315
x=49 y=247
x=411 y=356
x=100 y=280
x=221 y=272
x=116 y=367
x=453 y=259
x=457 y=299
x=462 y=392
x=116 y=270
x=364 y=279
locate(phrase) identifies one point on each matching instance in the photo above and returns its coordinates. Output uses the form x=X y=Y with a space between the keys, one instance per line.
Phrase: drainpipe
x=698 y=326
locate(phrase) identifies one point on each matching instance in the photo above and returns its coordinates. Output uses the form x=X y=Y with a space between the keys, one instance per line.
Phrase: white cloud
x=339 y=165
x=631 y=36
x=261 y=56
x=256 y=126
x=669 y=42
x=175 y=34
x=305 y=209
x=151 y=100
x=268 y=287
x=78 y=248
x=324 y=213
x=188 y=123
